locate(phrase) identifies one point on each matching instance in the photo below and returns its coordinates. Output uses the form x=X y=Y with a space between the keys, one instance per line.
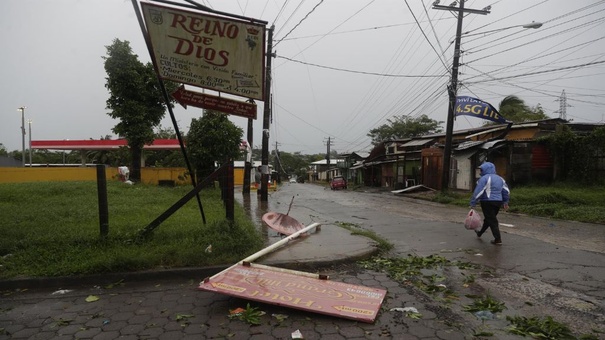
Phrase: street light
x=533 y=24
x=453 y=88
x=29 y=122
x=22 y=109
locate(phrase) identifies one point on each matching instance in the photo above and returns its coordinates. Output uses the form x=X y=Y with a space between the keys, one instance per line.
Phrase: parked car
x=338 y=183
x=292 y=180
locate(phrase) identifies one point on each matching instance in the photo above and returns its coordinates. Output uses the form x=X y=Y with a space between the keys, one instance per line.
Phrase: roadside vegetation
x=52 y=229
x=432 y=275
x=559 y=201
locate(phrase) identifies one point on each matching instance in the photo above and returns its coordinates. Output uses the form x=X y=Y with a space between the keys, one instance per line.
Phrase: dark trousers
x=490 y=218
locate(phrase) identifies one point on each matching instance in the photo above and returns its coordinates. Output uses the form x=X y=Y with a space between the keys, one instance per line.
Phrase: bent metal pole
x=270 y=248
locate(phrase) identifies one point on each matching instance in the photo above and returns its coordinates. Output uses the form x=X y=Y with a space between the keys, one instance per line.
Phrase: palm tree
x=515 y=110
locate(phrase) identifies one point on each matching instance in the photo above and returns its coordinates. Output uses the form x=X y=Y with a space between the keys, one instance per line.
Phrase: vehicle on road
x=338 y=182
x=292 y=180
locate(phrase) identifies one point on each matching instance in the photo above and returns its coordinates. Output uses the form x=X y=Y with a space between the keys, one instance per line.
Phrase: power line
x=362 y=72
x=301 y=20
x=427 y=38
x=542 y=72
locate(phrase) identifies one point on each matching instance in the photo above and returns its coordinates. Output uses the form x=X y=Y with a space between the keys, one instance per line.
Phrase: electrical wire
x=301 y=20
x=424 y=34
x=363 y=72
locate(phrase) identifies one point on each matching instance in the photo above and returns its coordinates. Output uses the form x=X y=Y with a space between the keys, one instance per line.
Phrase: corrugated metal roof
x=468 y=145
x=417 y=142
x=491 y=144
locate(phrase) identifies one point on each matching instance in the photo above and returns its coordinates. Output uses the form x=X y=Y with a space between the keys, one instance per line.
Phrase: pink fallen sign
x=304 y=292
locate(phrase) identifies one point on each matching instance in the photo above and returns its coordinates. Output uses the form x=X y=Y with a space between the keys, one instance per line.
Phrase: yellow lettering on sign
x=354 y=310
x=228 y=287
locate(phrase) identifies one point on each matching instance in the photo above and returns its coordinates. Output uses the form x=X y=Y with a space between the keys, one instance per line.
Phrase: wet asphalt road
x=544 y=268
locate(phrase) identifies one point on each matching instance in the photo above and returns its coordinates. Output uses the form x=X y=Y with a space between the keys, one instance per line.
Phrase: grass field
x=560 y=201
x=52 y=229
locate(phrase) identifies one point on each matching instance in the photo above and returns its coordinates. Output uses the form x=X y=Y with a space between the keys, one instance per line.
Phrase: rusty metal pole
x=264 y=196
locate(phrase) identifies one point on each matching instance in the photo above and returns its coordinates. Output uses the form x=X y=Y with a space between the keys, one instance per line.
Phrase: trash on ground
x=478 y=254
x=404 y=309
x=410 y=312
x=62 y=291
x=280 y=317
x=507 y=225
x=297 y=335
x=237 y=311
x=485 y=315
x=92 y=298
x=208 y=249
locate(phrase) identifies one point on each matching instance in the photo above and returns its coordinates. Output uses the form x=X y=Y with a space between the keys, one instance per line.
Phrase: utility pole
x=22 y=109
x=328 y=159
x=29 y=122
x=248 y=163
x=278 y=165
x=264 y=194
x=453 y=88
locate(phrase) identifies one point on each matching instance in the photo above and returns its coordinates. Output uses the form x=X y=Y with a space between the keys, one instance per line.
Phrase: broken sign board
x=299 y=292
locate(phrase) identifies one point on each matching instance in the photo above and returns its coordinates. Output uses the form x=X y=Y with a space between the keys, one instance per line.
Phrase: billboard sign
x=469 y=106
x=206 y=101
x=212 y=52
x=300 y=292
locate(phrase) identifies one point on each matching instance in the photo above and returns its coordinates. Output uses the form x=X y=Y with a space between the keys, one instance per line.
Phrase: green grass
x=52 y=229
x=558 y=201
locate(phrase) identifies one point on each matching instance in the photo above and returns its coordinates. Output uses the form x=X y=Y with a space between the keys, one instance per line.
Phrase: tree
x=135 y=99
x=3 y=151
x=404 y=127
x=515 y=110
x=165 y=158
x=212 y=138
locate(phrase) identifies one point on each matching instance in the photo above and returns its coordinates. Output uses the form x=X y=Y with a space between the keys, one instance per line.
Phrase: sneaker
x=498 y=243
x=478 y=233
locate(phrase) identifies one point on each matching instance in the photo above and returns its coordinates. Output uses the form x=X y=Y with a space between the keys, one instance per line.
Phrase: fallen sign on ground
x=270 y=285
x=295 y=289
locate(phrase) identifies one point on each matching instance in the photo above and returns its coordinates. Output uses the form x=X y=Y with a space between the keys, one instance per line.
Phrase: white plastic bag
x=473 y=220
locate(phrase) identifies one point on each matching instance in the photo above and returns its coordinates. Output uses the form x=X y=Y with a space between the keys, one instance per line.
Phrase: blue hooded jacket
x=490 y=186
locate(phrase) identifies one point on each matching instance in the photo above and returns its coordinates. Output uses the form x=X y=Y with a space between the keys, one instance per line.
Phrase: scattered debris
x=92 y=298
x=62 y=291
x=485 y=315
x=208 y=249
x=250 y=315
x=115 y=284
x=280 y=317
x=184 y=319
x=507 y=225
x=297 y=335
x=410 y=312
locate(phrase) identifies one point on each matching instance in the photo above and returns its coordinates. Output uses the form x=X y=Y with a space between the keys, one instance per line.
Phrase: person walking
x=493 y=193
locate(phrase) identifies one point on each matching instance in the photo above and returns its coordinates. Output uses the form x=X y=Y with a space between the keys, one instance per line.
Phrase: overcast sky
x=342 y=67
